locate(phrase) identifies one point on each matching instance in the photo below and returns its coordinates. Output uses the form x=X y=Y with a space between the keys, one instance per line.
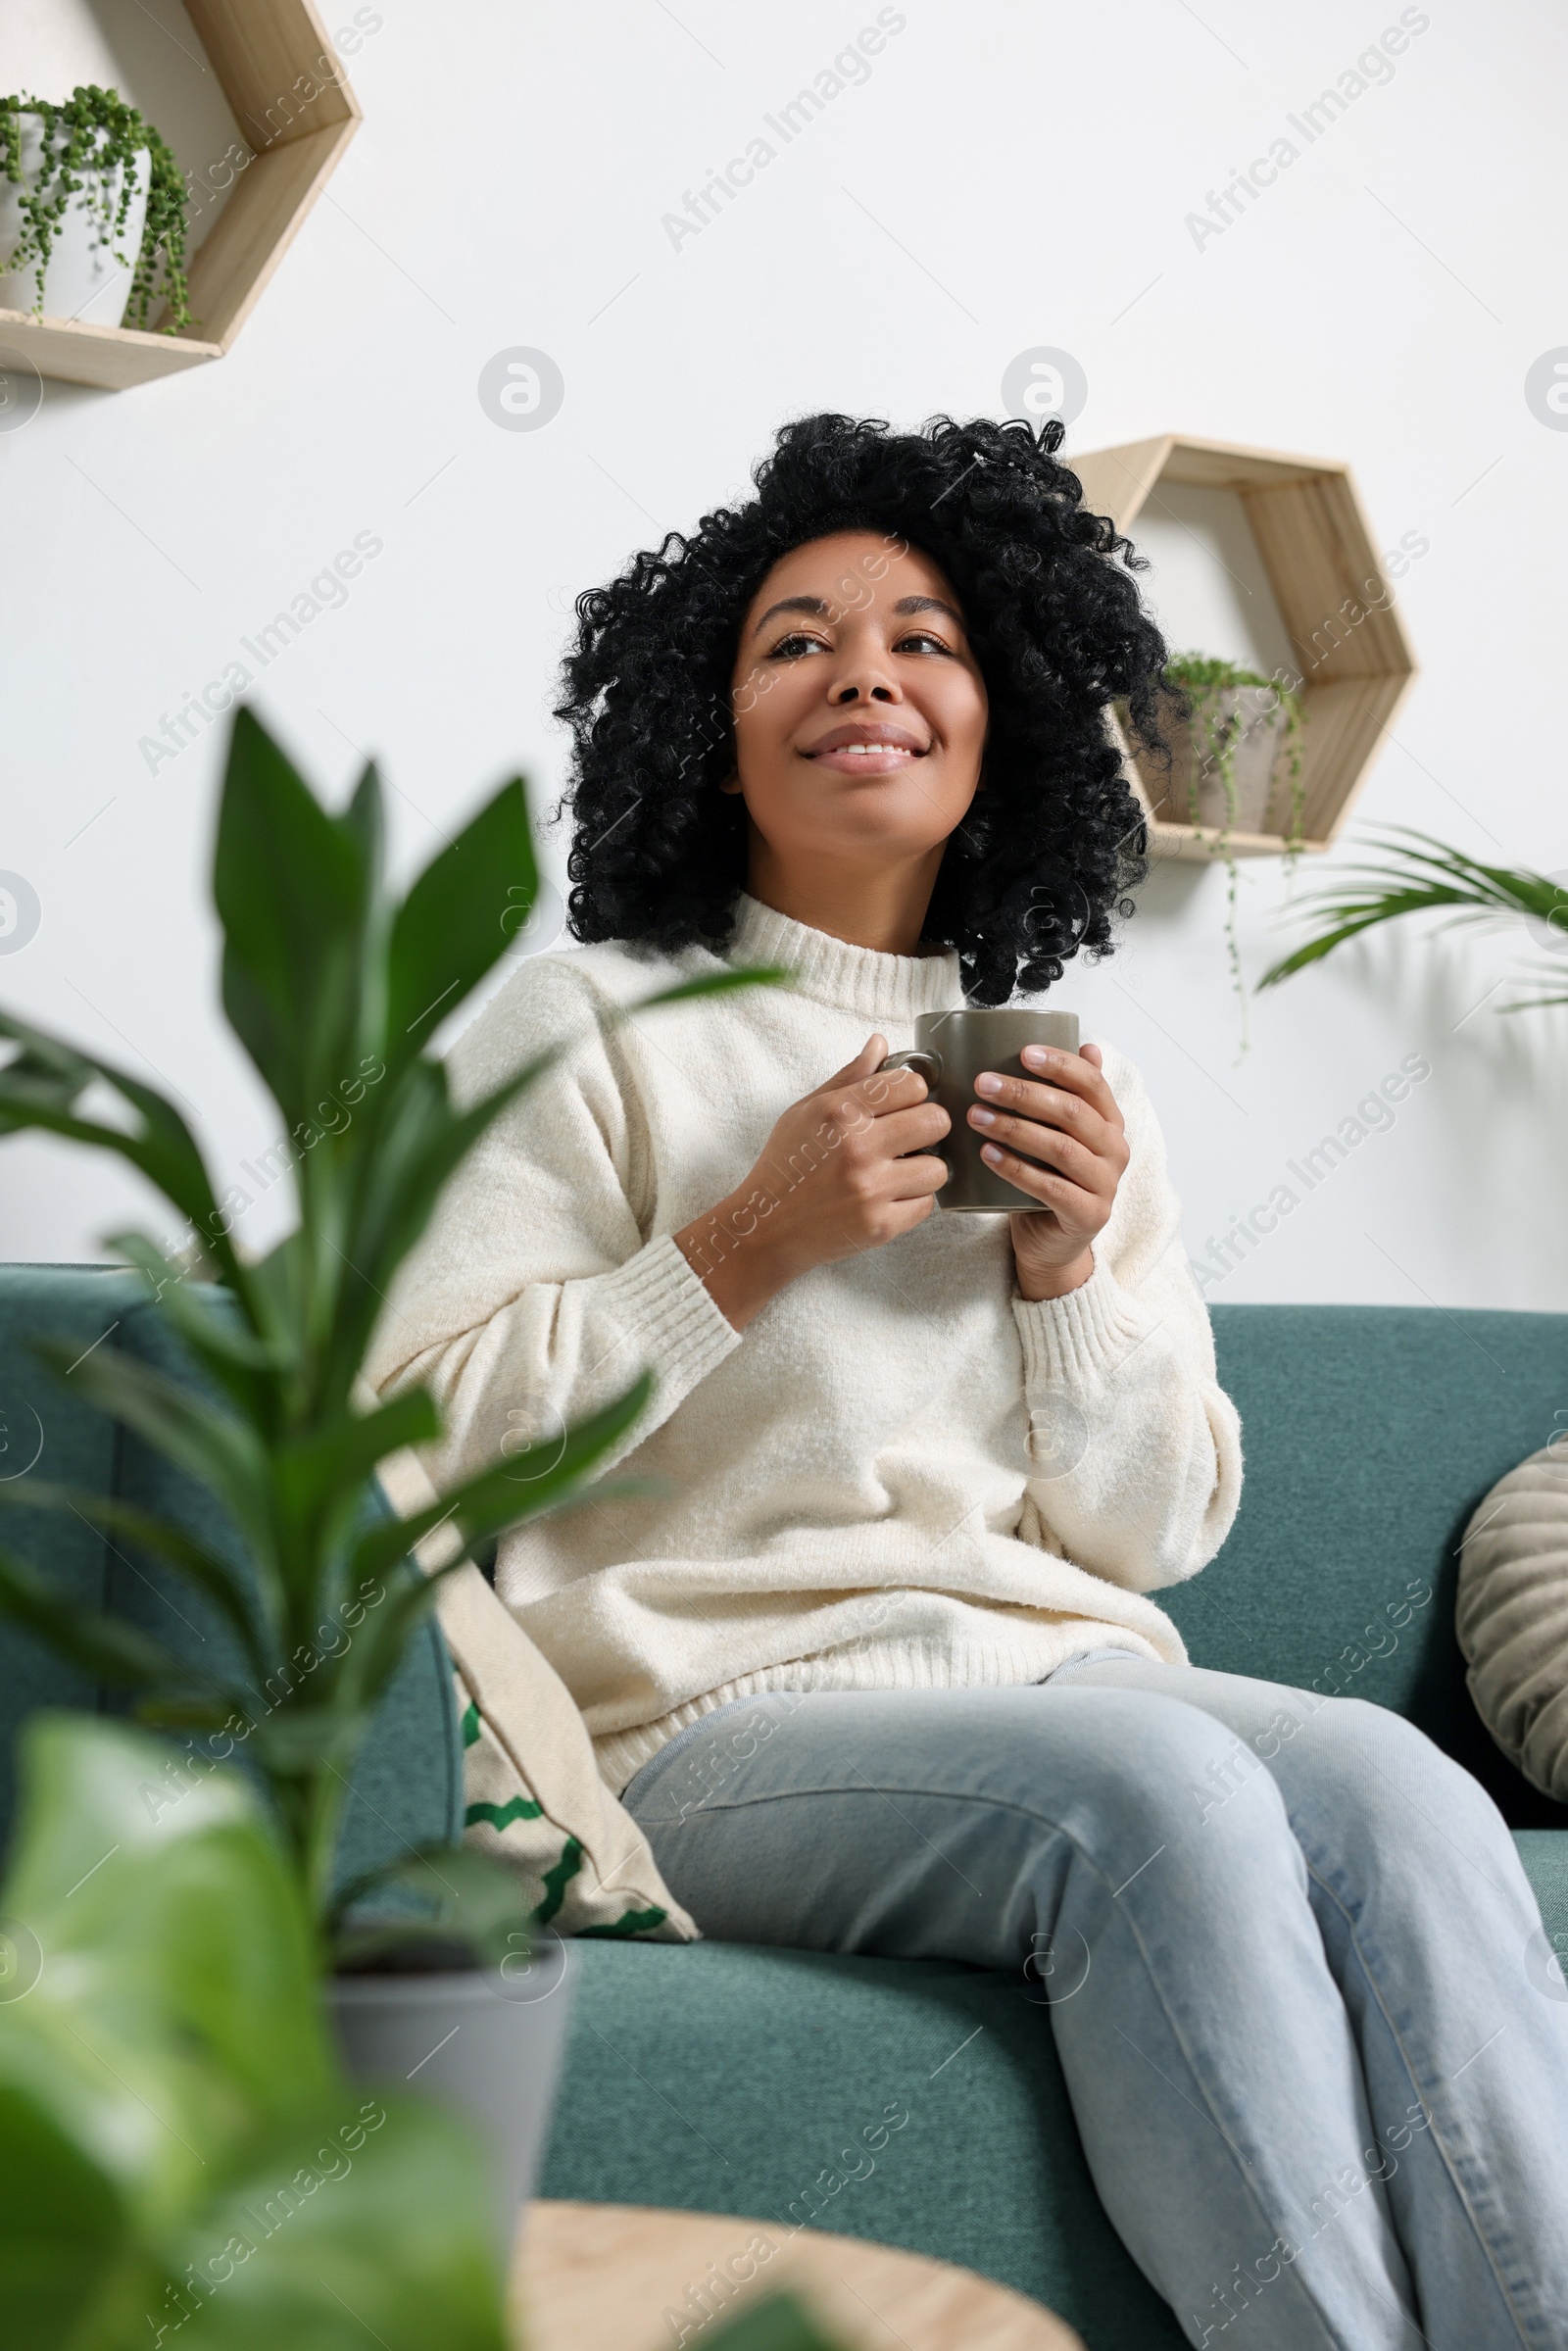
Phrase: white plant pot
x=83 y=279
x=1251 y=722
x=488 y=2041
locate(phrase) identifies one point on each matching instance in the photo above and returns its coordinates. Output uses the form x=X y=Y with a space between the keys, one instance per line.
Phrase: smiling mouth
x=871 y=751
x=858 y=751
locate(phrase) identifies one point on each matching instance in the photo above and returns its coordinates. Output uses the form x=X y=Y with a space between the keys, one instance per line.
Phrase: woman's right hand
x=836 y=1177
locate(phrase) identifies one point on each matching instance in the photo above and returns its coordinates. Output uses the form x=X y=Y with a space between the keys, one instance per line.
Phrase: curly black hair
x=1053 y=839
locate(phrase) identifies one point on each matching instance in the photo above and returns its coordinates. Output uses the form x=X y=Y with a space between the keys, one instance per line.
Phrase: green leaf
x=179 y=1715
x=366 y=2219
x=457 y=920
x=293 y=896
x=63 y=2229
x=459 y=1892
x=104 y=1647
x=420 y=1141
x=175 y=2005
x=213 y=1324
x=41 y=1088
x=178 y=2143
x=365 y=820
x=212 y=1575
x=215 y=1448
x=1427 y=878
x=323 y=1479
x=519 y=1487
x=299 y=1740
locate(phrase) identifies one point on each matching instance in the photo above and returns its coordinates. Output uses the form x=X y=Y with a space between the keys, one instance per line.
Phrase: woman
x=914 y=1476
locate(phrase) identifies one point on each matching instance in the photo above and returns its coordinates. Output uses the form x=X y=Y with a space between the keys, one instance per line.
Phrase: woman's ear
x=731 y=783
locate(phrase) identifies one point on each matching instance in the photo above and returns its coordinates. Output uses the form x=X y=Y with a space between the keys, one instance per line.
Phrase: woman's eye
x=791 y=648
x=920 y=640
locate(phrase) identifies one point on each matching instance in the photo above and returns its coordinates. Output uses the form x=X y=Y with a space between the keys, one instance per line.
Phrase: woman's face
x=860 y=709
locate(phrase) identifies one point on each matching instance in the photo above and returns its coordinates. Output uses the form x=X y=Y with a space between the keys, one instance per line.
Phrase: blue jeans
x=1281 y=1941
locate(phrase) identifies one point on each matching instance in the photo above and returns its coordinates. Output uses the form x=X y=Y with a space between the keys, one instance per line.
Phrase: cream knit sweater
x=901 y=1473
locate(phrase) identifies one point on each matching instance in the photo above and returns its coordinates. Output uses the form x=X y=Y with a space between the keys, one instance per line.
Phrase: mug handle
x=926 y=1064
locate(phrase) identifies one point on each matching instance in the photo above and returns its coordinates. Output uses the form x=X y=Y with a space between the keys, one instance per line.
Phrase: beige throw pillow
x=1512 y=1616
x=532 y=1791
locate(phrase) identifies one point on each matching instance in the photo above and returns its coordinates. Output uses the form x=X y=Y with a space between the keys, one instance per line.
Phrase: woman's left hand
x=1061 y=1141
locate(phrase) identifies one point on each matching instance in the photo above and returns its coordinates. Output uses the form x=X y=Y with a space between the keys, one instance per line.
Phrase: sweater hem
x=968 y=1665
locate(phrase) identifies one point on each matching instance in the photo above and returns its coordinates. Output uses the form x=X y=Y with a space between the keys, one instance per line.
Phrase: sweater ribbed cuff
x=1083 y=1335
x=669 y=1315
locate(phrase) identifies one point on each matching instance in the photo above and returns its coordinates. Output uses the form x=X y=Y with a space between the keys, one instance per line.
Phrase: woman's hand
x=1061 y=1141
x=836 y=1178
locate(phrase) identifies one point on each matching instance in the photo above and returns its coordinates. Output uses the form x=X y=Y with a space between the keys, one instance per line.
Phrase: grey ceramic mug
x=949 y=1052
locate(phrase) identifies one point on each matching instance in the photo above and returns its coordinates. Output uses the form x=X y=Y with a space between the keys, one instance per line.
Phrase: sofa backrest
x=1370 y=1433
x=407 y=1789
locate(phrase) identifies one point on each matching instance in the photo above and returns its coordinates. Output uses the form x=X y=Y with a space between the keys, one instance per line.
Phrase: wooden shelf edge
x=1198 y=845
x=110 y=358
x=1268 y=457
x=266 y=215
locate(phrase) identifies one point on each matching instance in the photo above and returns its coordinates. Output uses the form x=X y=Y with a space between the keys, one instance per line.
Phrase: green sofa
x=729 y=2079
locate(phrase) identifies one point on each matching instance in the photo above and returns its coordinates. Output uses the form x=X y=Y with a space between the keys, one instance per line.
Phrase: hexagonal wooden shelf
x=1353 y=658
x=265 y=54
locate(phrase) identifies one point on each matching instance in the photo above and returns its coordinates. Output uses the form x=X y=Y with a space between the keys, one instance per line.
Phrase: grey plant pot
x=488 y=2041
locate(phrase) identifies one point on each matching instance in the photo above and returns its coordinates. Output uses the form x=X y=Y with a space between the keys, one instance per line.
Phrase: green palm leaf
x=1429 y=877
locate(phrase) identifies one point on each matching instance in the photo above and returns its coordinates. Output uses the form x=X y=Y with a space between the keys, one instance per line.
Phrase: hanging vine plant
x=91 y=143
x=1200 y=681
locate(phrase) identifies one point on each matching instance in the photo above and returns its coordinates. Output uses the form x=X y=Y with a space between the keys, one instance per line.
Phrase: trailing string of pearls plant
x=89 y=145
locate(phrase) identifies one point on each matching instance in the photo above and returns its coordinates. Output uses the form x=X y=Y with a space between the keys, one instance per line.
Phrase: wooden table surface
x=629 y=2278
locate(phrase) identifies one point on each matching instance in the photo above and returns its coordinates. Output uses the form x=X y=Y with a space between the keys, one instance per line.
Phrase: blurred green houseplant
x=1431 y=879
x=181 y=2157
x=335 y=988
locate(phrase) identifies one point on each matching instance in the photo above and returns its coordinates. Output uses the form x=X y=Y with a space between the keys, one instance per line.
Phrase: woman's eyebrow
x=927 y=603
x=816 y=606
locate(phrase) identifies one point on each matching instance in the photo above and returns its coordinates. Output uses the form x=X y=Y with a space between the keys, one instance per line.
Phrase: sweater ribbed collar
x=853 y=979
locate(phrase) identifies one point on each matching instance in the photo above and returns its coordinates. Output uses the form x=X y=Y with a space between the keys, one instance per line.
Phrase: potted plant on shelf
x=1230 y=734
x=92 y=213
x=1433 y=878
x=1231 y=727
x=334 y=989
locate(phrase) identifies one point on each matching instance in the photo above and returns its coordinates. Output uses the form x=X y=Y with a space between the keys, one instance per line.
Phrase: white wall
x=1011 y=175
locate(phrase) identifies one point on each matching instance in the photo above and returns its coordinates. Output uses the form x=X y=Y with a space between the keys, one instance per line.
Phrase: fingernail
x=988 y=1083
x=1038 y=1056
x=989 y=1151
x=982 y=1118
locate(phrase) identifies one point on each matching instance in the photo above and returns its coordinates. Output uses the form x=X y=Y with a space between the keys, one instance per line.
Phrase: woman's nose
x=867 y=685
